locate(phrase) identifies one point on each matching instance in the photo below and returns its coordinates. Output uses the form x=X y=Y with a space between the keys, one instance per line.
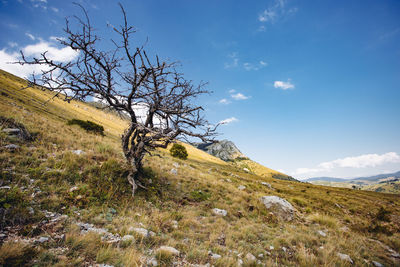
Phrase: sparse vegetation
x=48 y=177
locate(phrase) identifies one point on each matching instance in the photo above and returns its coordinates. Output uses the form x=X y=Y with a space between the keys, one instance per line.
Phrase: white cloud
x=30 y=36
x=357 y=162
x=229 y=120
x=239 y=96
x=363 y=161
x=54 y=9
x=284 y=85
x=224 y=101
x=232 y=91
x=58 y=54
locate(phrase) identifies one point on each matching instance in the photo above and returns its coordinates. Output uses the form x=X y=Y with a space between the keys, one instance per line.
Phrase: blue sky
x=311 y=88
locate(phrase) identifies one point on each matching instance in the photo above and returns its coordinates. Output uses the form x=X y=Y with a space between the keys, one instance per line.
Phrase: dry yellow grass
x=203 y=182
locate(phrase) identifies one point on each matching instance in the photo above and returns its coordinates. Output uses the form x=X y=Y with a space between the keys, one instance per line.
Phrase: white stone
x=43 y=239
x=127 y=238
x=72 y=189
x=321 y=233
x=345 y=257
x=141 y=231
x=214 y=256
x=261 y=255
x=174 y=171
x=168 y=249
x=246 y=170
x=266 y=184
x=219 y=212
x=240 y=262
x=271 y=248
x=152 y=262
x=377 y=264
x=279 y=206
x=250 y=258
x=176 y=165
x=241 y=187
x=78 y=152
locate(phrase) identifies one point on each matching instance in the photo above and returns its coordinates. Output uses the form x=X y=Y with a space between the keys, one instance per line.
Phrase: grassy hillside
x=49 y=193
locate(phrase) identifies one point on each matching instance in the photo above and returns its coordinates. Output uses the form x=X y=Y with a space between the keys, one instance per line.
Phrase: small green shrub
x=89 y=126
x=178 y=151
x=199 y=195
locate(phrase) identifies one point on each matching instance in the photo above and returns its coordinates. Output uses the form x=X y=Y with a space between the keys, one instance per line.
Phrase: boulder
x=214 y=256
x=128 y=238
x=219 y=212
x=12 y=147
x=241 y=187
x=250 y=258
x=345 y=257
x=279 y=207
x=266 y=184
x=141 y=231
x=167 y=249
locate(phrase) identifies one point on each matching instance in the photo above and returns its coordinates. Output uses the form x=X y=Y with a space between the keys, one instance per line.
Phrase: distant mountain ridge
x=367 y=178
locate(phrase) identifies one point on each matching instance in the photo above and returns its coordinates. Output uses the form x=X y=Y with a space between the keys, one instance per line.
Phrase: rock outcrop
x=279 y=207
x=224 y=149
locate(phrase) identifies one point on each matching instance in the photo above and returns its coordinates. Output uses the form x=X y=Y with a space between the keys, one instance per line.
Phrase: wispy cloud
x=228 y=120
x=284 y=85
x=30 y=36
x=357 y=162
x=233 y=62
x=249 y=66
x=274 y=12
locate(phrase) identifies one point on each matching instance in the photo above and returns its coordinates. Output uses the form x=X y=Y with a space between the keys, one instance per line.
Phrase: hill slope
x=65 y=201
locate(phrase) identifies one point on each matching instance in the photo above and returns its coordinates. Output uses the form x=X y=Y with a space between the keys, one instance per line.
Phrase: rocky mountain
x=224 y=149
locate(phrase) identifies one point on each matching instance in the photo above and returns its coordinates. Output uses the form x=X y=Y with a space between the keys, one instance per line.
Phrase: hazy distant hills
x=388 y=182
x=368 y=178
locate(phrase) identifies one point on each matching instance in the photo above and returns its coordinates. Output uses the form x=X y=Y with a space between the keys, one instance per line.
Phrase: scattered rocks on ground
x=12 y=147
x=175 y=224
x=43 y=239
x=78 y=152
x=279 y=206
x=106 y=236
x=219 y=212
x=168 y=249
x=266 y=184
x=345 y=257
x=321 y=233
x=72 y=189
x=141 y=231
x=250 y=258
x=128 y=238
x=214 y=256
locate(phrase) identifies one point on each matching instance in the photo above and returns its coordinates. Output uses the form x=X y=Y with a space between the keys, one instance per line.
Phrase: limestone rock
x=219 y=212
x=225 y=150
x=241 y=187
x=168 y=249
x=279 y=206
x=141 y=231
x=345 y=257
x=250 y=258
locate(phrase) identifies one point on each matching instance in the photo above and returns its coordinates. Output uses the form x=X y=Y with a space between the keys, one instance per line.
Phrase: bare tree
x=157 y=98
